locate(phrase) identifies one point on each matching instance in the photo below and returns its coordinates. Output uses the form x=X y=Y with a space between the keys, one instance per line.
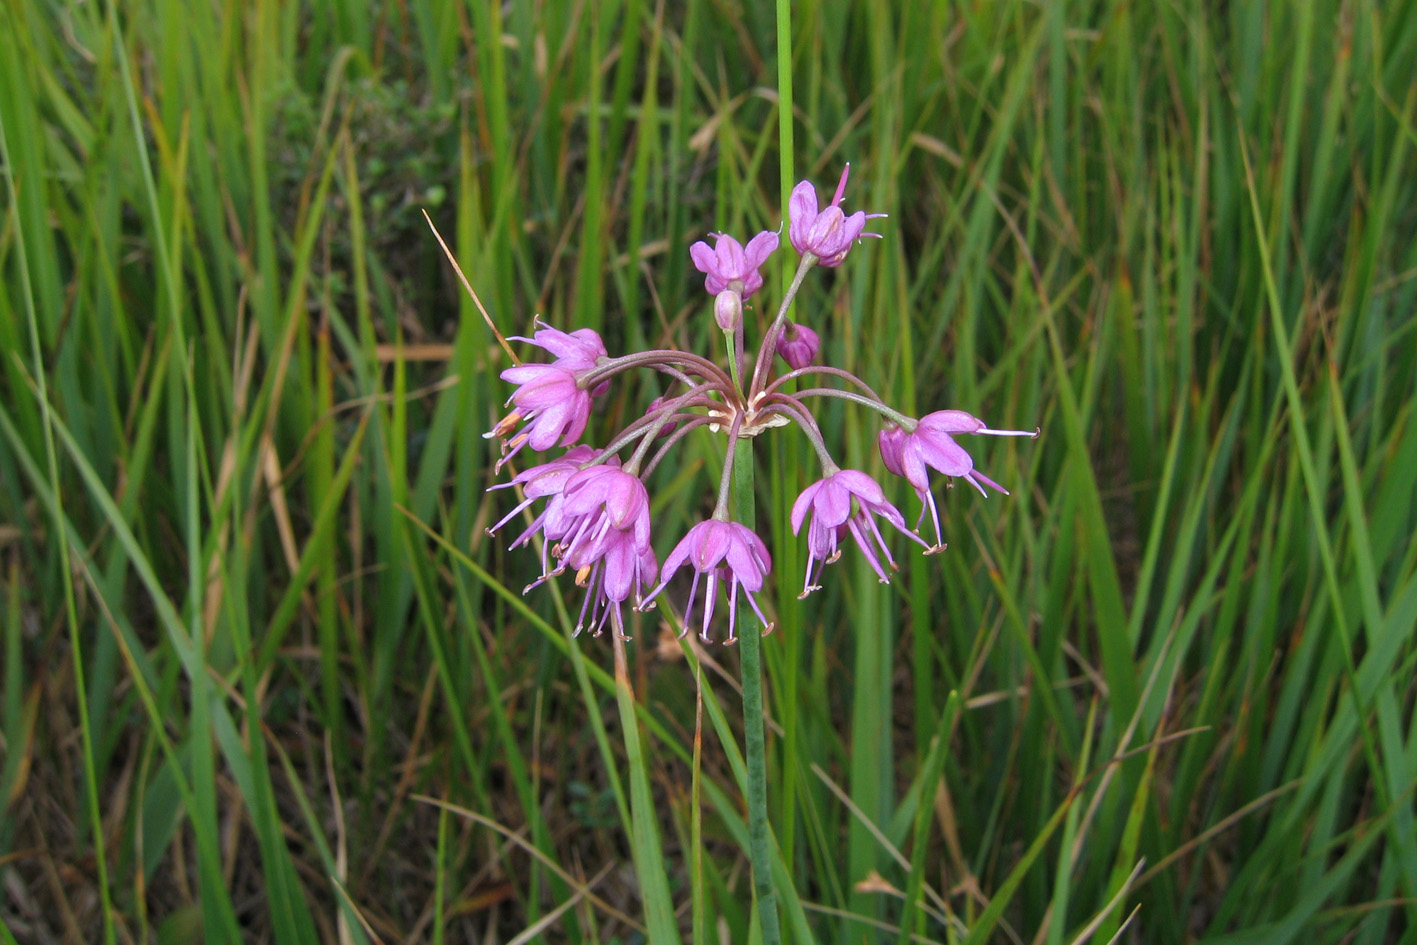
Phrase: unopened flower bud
x=728 y=310
x=654 y=407
x=798 y=345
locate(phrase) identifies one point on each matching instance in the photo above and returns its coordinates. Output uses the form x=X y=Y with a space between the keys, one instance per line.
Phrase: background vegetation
x=242 y=392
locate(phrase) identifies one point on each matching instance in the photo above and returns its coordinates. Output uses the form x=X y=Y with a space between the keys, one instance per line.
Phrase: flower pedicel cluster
x=596 y=519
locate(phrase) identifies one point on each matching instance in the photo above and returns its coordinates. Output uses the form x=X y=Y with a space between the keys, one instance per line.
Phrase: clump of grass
x=400 y=139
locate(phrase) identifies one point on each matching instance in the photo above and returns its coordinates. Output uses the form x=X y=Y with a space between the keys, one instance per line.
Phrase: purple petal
x=740 y=562
x=912 y=465
x=620 y=561
x=952 y=421
x=852 y=227
x=822 y=238
x=841 y=185
x=940 y=451
x=527 y=373
x=892 y=441
x=802 y=213
x=833 y=503
x=575 y=426
x=715 y=540
x=821 y=540
x=731 y=262
x=583 y=344
x=760 y=248
x=804 y=501
x=676 y=558
x=862 y=486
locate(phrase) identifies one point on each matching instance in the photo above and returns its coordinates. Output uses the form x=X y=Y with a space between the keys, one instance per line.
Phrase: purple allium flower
x=932 y=444
x=602 y=530
x=798 y=345
x=610 y=581
x=551 y=400
x=725 y=551
x=830 y=233
x=550 y=395
x=830 y=500
x=729 y=262
x=598 y=504
x=547 y=481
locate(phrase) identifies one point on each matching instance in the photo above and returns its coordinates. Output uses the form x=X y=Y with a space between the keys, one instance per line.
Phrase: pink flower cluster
x=595 y=520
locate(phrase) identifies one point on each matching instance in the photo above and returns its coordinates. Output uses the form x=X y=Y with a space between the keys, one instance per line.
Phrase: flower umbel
x=596 y=520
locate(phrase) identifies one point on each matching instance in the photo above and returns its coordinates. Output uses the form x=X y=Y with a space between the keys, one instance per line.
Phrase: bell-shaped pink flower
x=721 y=552
x=602 y=504
x=550 y=398
x=550 y=401
x=547 y=481
x=730 y=265
x=932 y=445
x=798 y=345
x=603 y=534
x=610 y=581
x=827 y=234
x=830 y=502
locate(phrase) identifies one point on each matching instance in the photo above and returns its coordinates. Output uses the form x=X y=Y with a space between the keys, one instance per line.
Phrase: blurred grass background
x=1172 y=674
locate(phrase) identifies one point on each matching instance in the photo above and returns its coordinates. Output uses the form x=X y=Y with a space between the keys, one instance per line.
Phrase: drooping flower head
x=554 y=406
x=602 y=505
x=932 y=445
x=610 y=581
x=827 y=234
x=551 y=398
x=721 y=552
x=730 y=265
x=829 y=501
x=603 y=535
x=798 y=345
x=547 y=482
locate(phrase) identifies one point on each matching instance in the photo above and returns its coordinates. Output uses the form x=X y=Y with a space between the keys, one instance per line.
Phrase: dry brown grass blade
x=472 y=292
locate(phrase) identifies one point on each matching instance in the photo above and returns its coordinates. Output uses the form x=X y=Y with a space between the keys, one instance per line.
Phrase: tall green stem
x=647 y=851
x=750 y=651
x=751 y=654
